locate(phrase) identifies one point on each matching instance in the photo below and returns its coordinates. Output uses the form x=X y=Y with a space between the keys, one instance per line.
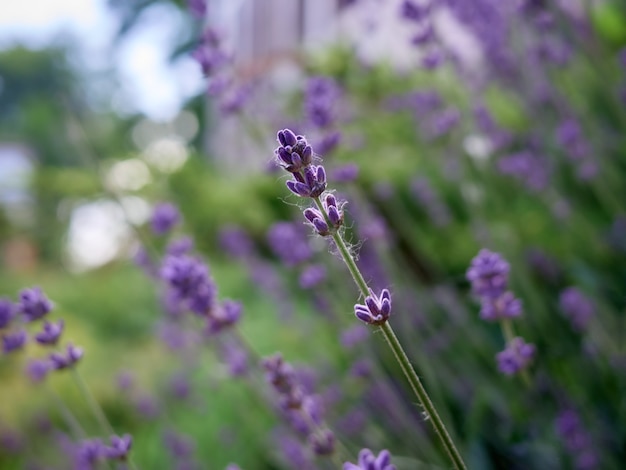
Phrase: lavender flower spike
x=488 y=274
x=34 y=304
x=120 y=447
x=7 y=312
x=50 y=334
x=319 y=221
x=72 y=356
x=367 y=461
x=376 y=310
x=516 y=357
x=312 y=184
x=13 y=341
x=164 y=217
x=294 y=153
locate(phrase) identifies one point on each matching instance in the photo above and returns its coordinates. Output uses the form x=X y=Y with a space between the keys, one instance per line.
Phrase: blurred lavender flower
x=33 y=304
x=437 y=211
x=443 y=122
x=7 y=312
x=354 y=335
x=37 y=370
x=189 y=281
x=143 y=260
x=505 y=306
x=147 y=407
x=345 y=173
x=235 y=241
x=178 y=445
x=516 y=357
x=72 y=355
x=527 y=167
x=235 y=98
x=197 y=7
x=328 y=142
x=414 y=11
x=320 y=96
x=210 y=54
x=488 y=274
x=88 y=454
x=577 y=440
x=125 y=380
x=119 y=449
x=577 y=307
x=312 y=276
x=235 y=358
x=322 y=442
x=164 y=217
x=232 y=466
x=376 y=309
x=180 y=246
x=288 y=242
x=368 y=461
x=50 y=334
x=224 y=316
x=13 y=341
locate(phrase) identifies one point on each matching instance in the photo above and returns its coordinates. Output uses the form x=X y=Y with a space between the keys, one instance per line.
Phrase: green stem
x=93 y=404
x=398 y=352
x=69 y=418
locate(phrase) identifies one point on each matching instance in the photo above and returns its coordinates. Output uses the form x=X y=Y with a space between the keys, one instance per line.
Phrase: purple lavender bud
x=59 y=361
x=120 y=447
x=576 y=307
x=50 y=334
x=203 y=300
x=312 y=276
x=516 y=357
x=313 y=184
x=33 y=304
x=279 y=373
x=88 y=454
x=376 y=310
x=287 y=138
x=180 y=246
x=37 y=370
x=321 y=227
x=424 y=36
x=210 y=55
x=13 y=341
x=164 y=217
x=322 y=442
x=189 y=280
x=236 y=242
x=294 y=154
x=368 y=461
x=526 y=167
x=488 y=273
x=505 y=306
x=7 y=312
x=412 y=11
x=226 y=315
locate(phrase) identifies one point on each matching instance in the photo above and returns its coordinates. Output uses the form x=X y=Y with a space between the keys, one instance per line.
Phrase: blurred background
x=447 y=125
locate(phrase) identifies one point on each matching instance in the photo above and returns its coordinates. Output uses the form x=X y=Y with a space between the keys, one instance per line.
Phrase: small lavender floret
x=577 y=307
x=488 y=274
x=7 y=312
x=505 y=306
x=33 y=304
x=224 y=316
x=412 y=11
x=334 y=215
x=376 y=310
x=164 y=217
x=120 y=447
x=516 y=357
x=368 y=461
x=294 y=153
x=322 y=442
x=88 y=454
x=14 y=341
x=72 y=355
x=50 y=334
x=189 y=280
x=312 y=184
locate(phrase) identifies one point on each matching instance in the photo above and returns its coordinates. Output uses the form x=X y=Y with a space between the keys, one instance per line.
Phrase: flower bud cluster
x=91 y=452
x=368 y=461
x=376 y=309
x=302 y=409
x=295 y=156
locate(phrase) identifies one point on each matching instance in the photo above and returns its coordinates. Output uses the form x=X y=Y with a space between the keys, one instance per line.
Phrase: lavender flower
x=210 y=54
x=312 y=184
x=13 y=341
x=50 y=334
x=516 y=357
x=346 y=173
x=322 y=442
x=294 y=153
x=164 y=217
x=411 y=11
x=312 y=276
x=368 y=461
x=72 y=356
x=320 y=222
x=505 y=306
x=37 y=370
x=180 y=246
x=7 y=312
x=236 y=242
x=33 y=304
x=88 y=454
x=488 y=274
x=354 y=335
x=289 y=243
x=320 y=95
x=120 y=447
x=376 y=310
x=577 y=307
x=577 y=440
x=526 y=167
x=223 y=317
x=189 y=281
x=197 y=7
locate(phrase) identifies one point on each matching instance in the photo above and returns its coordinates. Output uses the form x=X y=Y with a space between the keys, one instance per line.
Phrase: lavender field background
x=171 y=299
